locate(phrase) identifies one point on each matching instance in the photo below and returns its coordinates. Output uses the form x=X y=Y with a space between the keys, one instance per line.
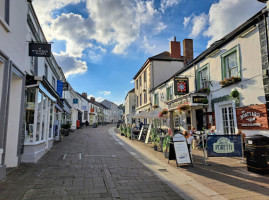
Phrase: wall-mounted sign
x=65 y=86
x=181 y=85
x=60 y=88
x=252 y=117
x=224 y=146
x=39 y=49
x=199 y=99
x=75 y=101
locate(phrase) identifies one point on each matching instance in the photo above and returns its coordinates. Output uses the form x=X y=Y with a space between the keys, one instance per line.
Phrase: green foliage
x=235 y=94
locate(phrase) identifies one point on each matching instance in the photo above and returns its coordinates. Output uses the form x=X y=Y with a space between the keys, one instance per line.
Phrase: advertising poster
x=224 y=146
x=182 y=152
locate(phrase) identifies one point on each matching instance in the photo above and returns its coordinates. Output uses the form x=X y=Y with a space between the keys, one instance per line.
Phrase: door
x=228 y=120
x=199 y=119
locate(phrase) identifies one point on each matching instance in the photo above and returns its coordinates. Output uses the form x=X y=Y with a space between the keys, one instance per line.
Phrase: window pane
x=39 y=117
x=51 y=119
x=204 y=78
x=2 y=8
x=30 y=114
x=231 y=65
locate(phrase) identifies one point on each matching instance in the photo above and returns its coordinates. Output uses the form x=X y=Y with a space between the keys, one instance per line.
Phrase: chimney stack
x=175 y=51
x=92 y=99
x=84 y=94
x=187 y=50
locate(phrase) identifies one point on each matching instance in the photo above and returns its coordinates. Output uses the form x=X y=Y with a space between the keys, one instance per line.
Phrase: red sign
x=252 y=117
x=181 y=86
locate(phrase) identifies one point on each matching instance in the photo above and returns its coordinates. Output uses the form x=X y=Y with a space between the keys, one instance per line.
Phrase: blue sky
x=101 y=44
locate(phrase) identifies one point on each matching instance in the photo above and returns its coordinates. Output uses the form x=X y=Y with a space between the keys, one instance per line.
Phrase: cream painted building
x=228 y=84
x=158 y=69
x=129 y=104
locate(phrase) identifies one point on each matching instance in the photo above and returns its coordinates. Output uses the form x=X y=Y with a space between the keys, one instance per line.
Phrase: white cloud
x=99 y=99
x=226 y=15
x=199 y=22
x=168 y=3
x=105 y=93
x=223 y=17
x=148 y=47
x=186 y=21
x=132 y=81
x=89 y=96
x=71 y=65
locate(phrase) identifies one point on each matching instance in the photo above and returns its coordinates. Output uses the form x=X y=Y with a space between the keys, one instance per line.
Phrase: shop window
x=202 y=77
x=169 y=93
x=156 y=99
x=39 y=115
x=30 y=114
x=86 y=115
x=51 y=119
x=231 y=63
x=4 y=10
x=228 y=120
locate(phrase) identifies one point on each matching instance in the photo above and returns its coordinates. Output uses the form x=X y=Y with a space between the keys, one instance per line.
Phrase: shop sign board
x=224 y=146
x=181 y=85
x=65 y=86
x=252 y=117
x=75 y=101
x=199 y=99
x=60 y=88
x=39 y=49
x=181 y=150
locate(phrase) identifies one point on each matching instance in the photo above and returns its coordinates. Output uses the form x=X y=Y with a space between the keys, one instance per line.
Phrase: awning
x=153 y=114
x=58 y=107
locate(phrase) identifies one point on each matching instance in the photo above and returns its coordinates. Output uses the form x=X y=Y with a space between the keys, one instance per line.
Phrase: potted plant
x=163 y=113
x=204 y=90
x=166 y=142
x=205 y=101
x=234 y=94
x=66 y=129
x=228 y=81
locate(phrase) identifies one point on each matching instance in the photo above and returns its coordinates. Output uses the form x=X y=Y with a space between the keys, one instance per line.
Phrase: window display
x=30 y=114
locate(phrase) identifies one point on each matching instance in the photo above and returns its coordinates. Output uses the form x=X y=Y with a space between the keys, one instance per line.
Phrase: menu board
x=182 y=152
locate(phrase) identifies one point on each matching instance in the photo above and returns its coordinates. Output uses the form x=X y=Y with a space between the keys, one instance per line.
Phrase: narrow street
x=88 y=164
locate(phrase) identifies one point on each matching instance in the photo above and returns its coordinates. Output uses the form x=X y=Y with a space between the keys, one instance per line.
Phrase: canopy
x=153 y=114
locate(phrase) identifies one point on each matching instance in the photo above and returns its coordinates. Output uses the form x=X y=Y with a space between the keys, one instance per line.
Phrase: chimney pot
x=175 y=38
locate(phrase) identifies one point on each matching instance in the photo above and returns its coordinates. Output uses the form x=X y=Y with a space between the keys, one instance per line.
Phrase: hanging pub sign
x=181 y=85
x=65 y=86
x=252 y=117
x=39 y=49
x=199 y=99
x=224 y=146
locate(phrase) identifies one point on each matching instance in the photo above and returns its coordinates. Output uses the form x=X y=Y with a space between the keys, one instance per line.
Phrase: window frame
x=5 y=19
x=156 y=99
x=198 y=76
x=169 y=95
x=145 y=76
x=223 y=62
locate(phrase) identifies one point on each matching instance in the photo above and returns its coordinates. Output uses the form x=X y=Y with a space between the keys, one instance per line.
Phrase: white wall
x=163 y=70
x=11 y=159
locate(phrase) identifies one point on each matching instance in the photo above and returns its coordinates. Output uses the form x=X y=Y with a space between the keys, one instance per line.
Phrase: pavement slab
x=88 y=164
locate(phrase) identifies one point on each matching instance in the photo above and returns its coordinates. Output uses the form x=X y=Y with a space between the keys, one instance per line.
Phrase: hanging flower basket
x=235 y=94
x=155 y=106
x=163 y=113
x=229 y=81
x=205 y=101
x=183 y=107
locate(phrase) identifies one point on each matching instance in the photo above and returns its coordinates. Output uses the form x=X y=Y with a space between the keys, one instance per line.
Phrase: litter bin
x=257 y=154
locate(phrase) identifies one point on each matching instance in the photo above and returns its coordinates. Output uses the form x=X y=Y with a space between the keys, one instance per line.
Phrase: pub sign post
x=181 y=85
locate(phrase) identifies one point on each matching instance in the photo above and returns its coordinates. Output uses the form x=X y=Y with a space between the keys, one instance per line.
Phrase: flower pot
x=166 y=154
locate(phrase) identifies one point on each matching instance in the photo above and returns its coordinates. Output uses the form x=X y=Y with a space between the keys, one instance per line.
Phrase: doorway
x=199 y=119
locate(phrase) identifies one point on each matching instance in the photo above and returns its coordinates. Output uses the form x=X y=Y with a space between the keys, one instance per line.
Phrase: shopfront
x=188 y=111
x=42 y=121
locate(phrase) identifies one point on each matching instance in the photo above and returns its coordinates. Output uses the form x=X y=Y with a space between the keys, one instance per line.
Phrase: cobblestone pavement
x=88 y=164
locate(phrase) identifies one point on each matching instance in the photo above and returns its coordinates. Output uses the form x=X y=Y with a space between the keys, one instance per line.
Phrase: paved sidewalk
x=88 y=164
x=223 y=178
